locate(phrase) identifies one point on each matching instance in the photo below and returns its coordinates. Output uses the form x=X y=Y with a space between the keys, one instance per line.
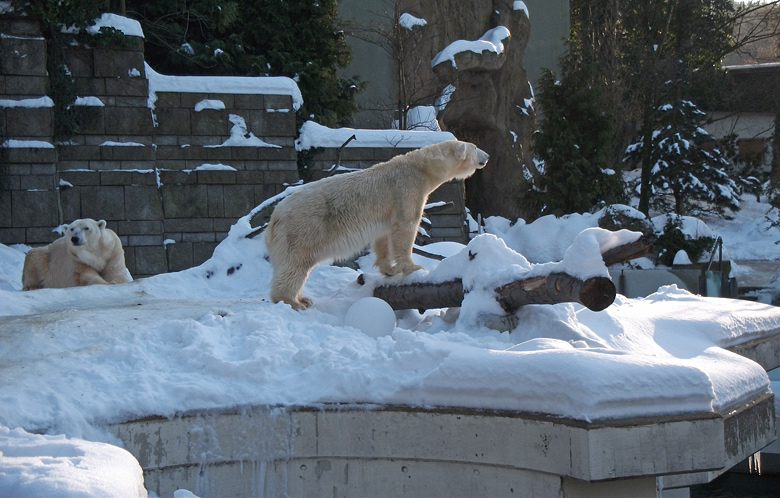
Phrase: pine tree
x=573 y=142
x=688 y=173
x=262 y=37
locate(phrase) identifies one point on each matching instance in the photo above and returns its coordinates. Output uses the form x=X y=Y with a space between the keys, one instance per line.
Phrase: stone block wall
x=170 y=167
x=161 y=170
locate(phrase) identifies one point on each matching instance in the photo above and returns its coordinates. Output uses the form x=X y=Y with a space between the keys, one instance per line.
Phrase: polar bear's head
x=459 y=159
x=84 y=232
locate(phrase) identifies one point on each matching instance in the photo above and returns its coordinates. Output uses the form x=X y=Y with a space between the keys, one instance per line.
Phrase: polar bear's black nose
x=75 y=240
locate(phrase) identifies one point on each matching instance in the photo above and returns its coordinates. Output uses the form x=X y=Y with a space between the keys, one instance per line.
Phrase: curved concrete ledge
x=402 y=451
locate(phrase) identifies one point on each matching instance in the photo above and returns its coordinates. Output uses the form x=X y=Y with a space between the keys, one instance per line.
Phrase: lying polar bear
x=337 y=217
x=88 y=253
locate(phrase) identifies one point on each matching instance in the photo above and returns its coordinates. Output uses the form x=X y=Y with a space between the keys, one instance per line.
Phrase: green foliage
x=688 y=173
x=262 y=37
x=639 y=46
x=672 y=240
x=56 y=16
x=574 y=144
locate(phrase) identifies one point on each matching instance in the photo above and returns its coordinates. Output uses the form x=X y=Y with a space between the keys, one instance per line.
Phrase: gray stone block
x=6 y=214
x=139 y=227
x=9 y=236
x=145 y=240
x=81 y=178
x=278 y=102
x=167 y=99
x=109 y=63
x=34 y=208
x=250 y=177
x=28 y=155
x=144 y=178
x=239 y=200
x=202 y=251
x=91 y=87
x=70 y=200
x=169 y=177
x=183 y=225
x=180 y=256
x=24 y=86
x=173 y=121
x=78 y=153
x=143 y=203
x=211 y=122
x=148 y=260
x=216 y=205
x=188 y=100
x=105 y=202
x=23 y=56
x=128 y=121
x=80 y=61
x=185 y=201
x=29 y=122
x=37 y=182
x=115 y=177
x=222 y=177
x=129 y=87
x=242 y=102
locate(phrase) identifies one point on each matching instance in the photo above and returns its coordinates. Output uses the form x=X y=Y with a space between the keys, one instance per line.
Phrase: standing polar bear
x=337 y=217
x=88 y=253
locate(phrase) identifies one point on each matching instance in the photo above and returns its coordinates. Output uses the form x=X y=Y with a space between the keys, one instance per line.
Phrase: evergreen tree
x=262 y=37
x=573 y=142
x=688 y=173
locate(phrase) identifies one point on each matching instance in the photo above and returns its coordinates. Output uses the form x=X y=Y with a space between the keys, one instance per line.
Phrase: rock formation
x=478 y=83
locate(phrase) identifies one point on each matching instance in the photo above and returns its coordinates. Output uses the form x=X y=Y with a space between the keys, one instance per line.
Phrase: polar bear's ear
x=101 y=224
x=60 y=230
x=461 y=151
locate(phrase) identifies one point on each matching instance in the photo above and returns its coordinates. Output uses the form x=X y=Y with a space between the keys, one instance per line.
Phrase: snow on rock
x=422 y=118
x=240 y=136
x=88 y=102
x=259 y=85
x=129 y=27
x=315 y=135
x=27 y=103
x=521 y=6
x=409 y=21
x=209 y=104
x=491 y=41
x=26 y=144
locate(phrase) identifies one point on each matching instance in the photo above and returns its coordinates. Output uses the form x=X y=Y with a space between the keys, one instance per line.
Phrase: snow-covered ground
x=74 y=360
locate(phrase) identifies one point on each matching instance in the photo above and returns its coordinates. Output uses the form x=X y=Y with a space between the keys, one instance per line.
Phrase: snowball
x=372 y=316
x=681 y=258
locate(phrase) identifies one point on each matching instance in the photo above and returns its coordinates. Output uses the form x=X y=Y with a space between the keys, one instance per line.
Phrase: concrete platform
x=401 y=451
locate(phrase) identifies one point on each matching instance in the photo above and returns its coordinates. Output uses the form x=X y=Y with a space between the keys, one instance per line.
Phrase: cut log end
x=597 y=293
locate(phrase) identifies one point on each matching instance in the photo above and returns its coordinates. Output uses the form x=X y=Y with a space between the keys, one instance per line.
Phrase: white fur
x=88 y=253
x=337 y=217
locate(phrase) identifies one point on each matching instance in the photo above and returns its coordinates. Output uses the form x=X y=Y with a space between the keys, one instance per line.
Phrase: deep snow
x=74 y=360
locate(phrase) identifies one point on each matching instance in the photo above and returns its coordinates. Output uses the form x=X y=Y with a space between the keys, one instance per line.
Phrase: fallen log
x=595 y=293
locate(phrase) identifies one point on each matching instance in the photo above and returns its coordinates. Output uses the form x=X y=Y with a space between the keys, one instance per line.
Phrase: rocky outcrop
x=477 y=80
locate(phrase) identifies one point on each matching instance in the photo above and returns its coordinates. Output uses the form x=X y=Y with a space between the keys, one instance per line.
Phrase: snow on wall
x=245 y=85
x=315 y=135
